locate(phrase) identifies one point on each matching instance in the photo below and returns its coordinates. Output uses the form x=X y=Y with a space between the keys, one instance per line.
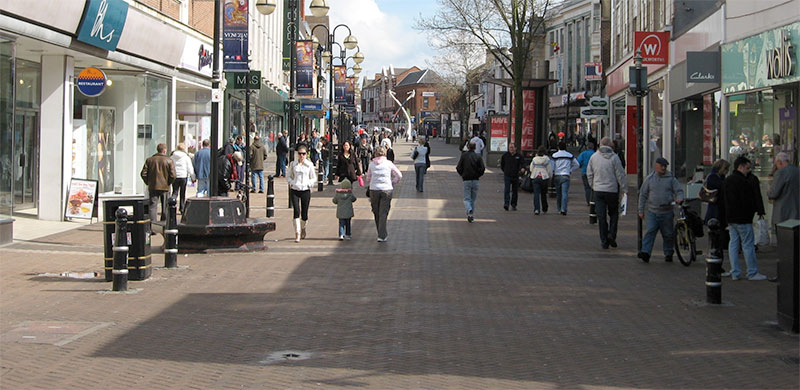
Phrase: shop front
x=761 y=87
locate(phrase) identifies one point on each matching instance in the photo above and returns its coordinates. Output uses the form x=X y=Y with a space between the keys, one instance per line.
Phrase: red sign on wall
x=654 y=46
x=708 y=130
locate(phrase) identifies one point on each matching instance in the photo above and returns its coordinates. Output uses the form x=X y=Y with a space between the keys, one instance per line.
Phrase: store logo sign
x=91 y=82
x=204 y=57
x=654 y=46
x=779 y=60
x=702 y=67
x=102 y=23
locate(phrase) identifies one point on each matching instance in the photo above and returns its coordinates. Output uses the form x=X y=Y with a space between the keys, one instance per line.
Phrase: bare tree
x=494 y=26
x=459 y=68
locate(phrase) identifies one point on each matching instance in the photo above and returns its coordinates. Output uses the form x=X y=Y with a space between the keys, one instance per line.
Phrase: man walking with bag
x=470 y=167
x=607 y=179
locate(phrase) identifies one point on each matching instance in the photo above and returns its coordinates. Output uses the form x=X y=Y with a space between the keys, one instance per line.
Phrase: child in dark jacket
x=344 y=198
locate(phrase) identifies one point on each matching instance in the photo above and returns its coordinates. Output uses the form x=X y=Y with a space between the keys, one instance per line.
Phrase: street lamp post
x=638 y=87
x=569 y=95
x=213 y=186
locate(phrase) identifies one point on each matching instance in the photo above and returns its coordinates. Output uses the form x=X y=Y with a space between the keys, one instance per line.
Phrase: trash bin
x=788 y=276
x=138 y=236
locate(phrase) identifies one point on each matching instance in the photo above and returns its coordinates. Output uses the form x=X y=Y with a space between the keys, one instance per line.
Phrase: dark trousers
x=540 y=194
x=420 y=170
x=607 y=204
x=510 y=190
x=156 y=197
x=381 y=202
x=280 y=165
x=300 y=201
x=179 y=189
x=587 y=189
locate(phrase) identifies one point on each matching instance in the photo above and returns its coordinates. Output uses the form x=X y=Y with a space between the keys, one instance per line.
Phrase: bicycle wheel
x=684 y=244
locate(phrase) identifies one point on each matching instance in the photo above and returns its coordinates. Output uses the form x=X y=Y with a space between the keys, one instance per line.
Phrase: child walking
x=344 y=199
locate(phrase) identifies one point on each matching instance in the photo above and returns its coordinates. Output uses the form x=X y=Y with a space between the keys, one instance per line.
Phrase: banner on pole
x=234 y=36
x=351 y=90
x=305 y=69
x=340 y=84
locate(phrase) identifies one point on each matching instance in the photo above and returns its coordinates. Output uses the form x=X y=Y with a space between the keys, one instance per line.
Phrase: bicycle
x=243 y=190
x=685 y=240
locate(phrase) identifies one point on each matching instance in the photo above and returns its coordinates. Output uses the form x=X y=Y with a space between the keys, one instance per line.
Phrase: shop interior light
x=109 y=82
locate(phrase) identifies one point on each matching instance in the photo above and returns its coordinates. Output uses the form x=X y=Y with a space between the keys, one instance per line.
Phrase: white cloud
x=385 y=39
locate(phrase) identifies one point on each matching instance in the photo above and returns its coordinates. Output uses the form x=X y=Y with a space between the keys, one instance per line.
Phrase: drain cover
x=285 y=356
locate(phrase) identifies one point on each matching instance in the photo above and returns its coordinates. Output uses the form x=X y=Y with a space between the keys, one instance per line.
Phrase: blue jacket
x=202 y=163
x=583 y=159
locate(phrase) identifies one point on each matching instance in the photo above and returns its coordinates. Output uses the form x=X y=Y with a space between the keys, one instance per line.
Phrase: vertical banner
x=498 y=132
x=708 y=130
x=351 y=90
x=305 y=69
x=287 y=41
x=234 y=36
x=340 y=84
x=528 y=118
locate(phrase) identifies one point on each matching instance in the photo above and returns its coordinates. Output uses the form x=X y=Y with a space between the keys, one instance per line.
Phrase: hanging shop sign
x=702 y=67
x=593 y=71
x=762 y=60
x=91 y=82
x=290 y=14
x=102 y=23
x=304 y=80
x=240 y=80
x=653 y=45
x=235 y=36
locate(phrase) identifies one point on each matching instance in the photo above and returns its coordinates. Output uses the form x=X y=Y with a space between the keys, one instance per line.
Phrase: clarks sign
x=779 y=60
x=702 y=67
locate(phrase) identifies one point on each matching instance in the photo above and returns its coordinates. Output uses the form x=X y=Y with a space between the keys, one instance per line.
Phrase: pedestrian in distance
x=347 y=164
x=281 y=151
x=301 y=178
x=257 y=155
x=421 y=156
x=382 y=175
x=386 y=143
x=471 y=168
x=202 y=168
x=659 y=190
x=609 y=184
x=158 y=173
x=583 y=160
x=541 y=172
x=184 y=170
x=511 y=163
x=479 y=143
x=344 y=198
x=716 y=208
x=565 y=163
x=325 y=154
x=364 y=153
x=314 y=147
x=742 y=195
x=785 y=190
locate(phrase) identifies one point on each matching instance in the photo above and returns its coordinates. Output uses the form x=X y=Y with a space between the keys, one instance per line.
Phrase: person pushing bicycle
x=658 y=191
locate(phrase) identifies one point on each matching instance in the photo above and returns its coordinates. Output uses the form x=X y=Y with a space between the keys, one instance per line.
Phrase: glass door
x=26 y=159
x=6 y=125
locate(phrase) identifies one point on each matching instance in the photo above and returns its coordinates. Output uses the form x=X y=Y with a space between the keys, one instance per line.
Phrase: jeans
x=156 y=197
x=344 y=227
x=259 y=173
x=300 y=202
x=280 y=165
x=381 y=202
x=656 y=222
x=742 y=234
x=420 y=170
x=587 y=189
x=606 y=206
x=562 y=192
x=539 y=194
x=470 y=195
x=179 y=191
x=327 y=166
x=240 y=173
x=202 y=188
x=510 y=190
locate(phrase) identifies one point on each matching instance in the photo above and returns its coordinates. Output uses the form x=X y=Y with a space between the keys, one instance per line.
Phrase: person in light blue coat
x=202 y=168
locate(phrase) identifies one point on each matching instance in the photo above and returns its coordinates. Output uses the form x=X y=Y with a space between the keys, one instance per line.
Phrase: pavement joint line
x=84 y=333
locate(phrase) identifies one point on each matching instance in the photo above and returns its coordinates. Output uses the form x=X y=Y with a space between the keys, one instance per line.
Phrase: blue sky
x=384 y=29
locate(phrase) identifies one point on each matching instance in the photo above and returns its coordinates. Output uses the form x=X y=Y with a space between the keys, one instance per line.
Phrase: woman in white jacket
x=301 y=178
x=382 y=175
x=184 y=169
x=541 y=172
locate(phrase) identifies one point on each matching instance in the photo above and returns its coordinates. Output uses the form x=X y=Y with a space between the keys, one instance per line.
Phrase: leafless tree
x=492 y=26
x=459 y=68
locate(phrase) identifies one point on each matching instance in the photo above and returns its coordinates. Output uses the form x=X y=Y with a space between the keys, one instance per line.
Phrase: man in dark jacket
x=470 y=167
x=158 y=173
x=281 y=150
x=224 y=171
x=511 y=162
x=742 y=201
x=257 y=155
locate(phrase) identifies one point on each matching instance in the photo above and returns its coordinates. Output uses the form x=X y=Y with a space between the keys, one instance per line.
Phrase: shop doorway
x=26 y=161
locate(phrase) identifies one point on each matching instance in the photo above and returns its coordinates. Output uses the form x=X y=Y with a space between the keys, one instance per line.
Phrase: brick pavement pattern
x=513 y=301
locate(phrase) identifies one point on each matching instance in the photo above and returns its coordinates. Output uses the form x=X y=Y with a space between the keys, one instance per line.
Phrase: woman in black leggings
x=301 y=178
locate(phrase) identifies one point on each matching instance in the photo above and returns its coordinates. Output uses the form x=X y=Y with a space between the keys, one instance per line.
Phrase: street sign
x=589 y=112
x=237 y=80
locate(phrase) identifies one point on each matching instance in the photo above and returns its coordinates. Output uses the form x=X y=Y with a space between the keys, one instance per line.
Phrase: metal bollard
x=592 y=211
x=171 y=236
x=714 y=264
x=120 y=272
x=320 y=178
x=270 y=196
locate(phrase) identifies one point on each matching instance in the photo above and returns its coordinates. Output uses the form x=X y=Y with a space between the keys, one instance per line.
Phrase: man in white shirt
x=479 y=145
x=565 y=163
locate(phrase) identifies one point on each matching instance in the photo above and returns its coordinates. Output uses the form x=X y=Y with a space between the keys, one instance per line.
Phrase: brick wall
x=201 y=16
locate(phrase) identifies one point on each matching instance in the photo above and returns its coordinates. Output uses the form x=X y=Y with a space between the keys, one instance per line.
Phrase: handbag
x=527 y=184
x=762 y=232
x=361 y=180
x=708 y=196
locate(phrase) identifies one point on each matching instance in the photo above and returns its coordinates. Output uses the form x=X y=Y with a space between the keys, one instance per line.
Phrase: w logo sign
x=654 y=46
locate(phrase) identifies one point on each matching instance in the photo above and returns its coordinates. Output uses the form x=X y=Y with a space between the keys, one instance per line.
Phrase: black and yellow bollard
x=320 y=178
x=270 y=196
x=120 y=248
x=714 y=263
x=171 y=236
x=592 y=210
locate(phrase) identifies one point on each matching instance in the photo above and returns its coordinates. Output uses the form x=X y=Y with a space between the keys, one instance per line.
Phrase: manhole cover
x=285 y=356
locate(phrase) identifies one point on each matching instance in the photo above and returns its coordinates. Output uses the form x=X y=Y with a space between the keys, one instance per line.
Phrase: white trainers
x=726 y=274
x=757 y=277
x=341 y=238
x=347 y=237
x=382 y=239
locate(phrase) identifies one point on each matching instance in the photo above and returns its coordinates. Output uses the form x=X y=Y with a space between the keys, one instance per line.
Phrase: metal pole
x=639 y=140
x=270 y=196
x=120 y=248
x=714 y=264
x=171 y=236
x=246 y=145
x=213 y=187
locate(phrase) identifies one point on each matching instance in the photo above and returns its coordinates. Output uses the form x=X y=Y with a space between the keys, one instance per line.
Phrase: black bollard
x=171 y=236
x=120 y=248
x=592 y=211
x=270 y=196
x=320 y=178
x=714 y=264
